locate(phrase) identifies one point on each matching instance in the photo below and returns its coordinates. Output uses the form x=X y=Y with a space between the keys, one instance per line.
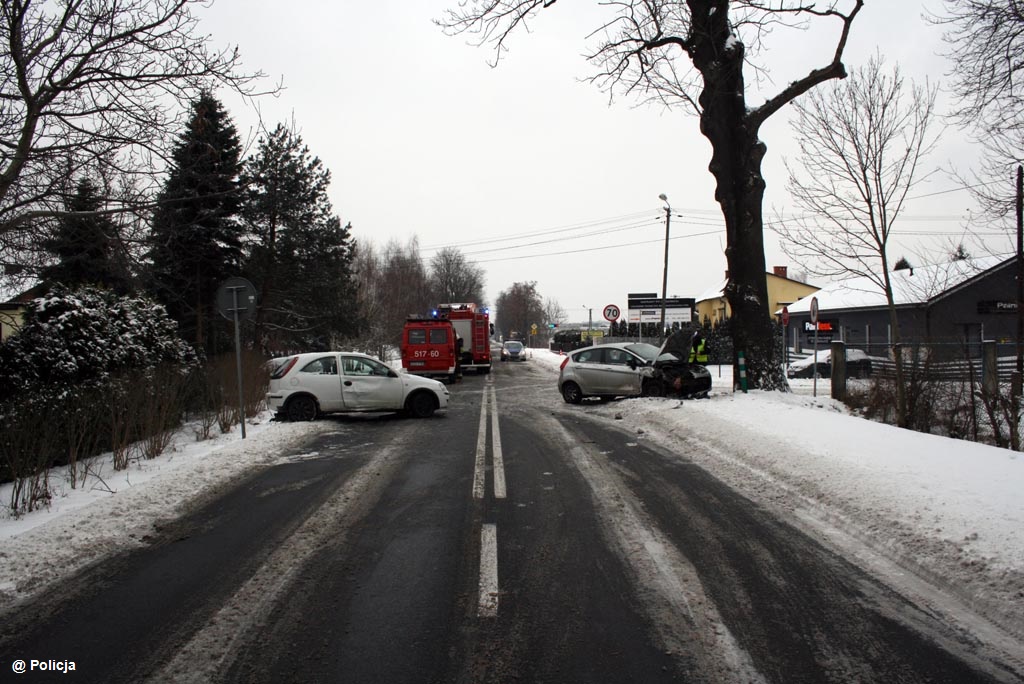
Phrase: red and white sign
x=785 y=315
x=612 y=313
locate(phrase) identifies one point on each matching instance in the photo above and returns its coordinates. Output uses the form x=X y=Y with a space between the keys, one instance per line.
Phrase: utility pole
x=664 y=272
x=1015 y=385
x=1020 y=270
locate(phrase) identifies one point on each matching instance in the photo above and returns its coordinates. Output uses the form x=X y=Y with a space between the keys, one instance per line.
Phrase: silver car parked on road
x=620 y=369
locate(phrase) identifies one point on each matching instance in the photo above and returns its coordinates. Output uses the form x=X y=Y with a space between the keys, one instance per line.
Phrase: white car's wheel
x=422 y=405
x=302 y=408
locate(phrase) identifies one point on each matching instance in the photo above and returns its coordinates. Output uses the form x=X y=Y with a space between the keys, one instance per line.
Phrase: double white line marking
x=479 y=473
x=488 y=588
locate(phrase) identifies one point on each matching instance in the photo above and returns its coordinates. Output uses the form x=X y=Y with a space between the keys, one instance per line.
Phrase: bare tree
x=402 y=287
x=519 y=308
x=554 y=312
x=693 y=53
x=986 y=47
x=370 y=297
x=91 y=88
x=453 y=278
x=862 y=142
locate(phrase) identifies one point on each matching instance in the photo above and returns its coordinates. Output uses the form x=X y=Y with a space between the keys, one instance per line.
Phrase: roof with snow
x=718 y=292
x=713 y=293
x=910 y=286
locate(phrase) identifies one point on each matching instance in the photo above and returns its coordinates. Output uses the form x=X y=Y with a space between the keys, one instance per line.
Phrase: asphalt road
x=511 y=539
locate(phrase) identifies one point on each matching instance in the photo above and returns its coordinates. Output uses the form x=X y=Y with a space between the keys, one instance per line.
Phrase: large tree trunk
x=736 y=166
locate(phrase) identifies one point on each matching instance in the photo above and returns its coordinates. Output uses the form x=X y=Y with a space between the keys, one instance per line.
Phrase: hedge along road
x=385 y=551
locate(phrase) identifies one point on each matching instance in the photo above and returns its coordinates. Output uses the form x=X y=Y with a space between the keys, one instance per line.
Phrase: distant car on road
x=513 y=350
x=306 y=385
x=858 y=365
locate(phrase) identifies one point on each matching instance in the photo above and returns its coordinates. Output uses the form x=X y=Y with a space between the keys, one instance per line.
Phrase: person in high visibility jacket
x=698 y=349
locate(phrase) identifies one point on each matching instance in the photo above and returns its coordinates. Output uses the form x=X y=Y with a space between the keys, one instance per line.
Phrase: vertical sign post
x=785 y=334
x=814 y=322
x=236 y=300
x=238 y=358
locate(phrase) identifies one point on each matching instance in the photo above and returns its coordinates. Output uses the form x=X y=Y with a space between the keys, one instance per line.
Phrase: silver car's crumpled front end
x=677 y=374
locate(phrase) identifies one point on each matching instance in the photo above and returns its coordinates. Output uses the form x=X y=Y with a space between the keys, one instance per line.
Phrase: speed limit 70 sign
x=611 y=313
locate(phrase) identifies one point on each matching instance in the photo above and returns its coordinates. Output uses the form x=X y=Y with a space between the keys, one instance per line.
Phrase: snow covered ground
x=889 y=499
x=904 y=505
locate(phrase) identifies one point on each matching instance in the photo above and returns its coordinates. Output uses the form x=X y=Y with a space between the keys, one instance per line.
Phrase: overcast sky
x=525 y=167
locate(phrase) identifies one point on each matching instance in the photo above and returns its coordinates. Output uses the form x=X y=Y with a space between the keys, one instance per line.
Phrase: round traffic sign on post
x=611 y=313
x=814 y=310
x=785 y=315
x=236 y=295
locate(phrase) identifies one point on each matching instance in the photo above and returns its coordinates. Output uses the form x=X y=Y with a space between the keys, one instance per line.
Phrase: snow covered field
x=889 y=499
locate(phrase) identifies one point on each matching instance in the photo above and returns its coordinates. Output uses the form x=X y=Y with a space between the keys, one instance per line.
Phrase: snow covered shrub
x=63 y=374
x=70 y=340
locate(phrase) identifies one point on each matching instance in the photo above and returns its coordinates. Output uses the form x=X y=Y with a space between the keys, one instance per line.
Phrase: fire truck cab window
x=437 y=336
x=418 y=336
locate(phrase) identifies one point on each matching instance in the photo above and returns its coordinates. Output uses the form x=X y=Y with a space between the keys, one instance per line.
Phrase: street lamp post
x=664 y=273
x=590 y=324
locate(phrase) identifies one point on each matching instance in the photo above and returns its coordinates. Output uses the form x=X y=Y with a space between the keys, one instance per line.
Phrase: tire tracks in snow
x=212 y=648
x=667 y=583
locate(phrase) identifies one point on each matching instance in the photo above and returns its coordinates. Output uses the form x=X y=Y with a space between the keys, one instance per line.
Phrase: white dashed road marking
x=488 y=604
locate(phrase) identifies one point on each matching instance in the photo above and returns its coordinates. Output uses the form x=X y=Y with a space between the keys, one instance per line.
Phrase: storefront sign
x=826 y=329
x=997 y=307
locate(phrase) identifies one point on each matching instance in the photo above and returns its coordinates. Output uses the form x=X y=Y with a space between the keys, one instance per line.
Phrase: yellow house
x=10 y=319
x=12 y=312
x=712 y=305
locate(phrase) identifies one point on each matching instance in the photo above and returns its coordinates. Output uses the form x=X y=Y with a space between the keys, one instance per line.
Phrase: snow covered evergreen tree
x=197 y=237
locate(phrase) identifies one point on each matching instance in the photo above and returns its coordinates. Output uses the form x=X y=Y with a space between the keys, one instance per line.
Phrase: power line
x=549 y=231
x=598 y=249
x=959 y=189
x=691 y=217
x=654 y=223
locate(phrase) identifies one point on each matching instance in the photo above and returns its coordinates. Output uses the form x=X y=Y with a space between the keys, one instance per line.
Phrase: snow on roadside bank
x=950 y=510
x=118 y=509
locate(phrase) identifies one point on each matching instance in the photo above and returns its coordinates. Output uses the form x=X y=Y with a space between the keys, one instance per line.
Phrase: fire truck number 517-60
x=425 y=353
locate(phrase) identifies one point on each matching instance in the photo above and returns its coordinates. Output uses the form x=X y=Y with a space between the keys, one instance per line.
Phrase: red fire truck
x=473 y=327
x=428 y=347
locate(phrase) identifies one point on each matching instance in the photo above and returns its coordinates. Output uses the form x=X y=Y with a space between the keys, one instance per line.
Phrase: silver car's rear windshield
x=647 y=352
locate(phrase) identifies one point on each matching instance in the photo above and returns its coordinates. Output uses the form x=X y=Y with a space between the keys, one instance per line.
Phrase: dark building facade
x=950 y=307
